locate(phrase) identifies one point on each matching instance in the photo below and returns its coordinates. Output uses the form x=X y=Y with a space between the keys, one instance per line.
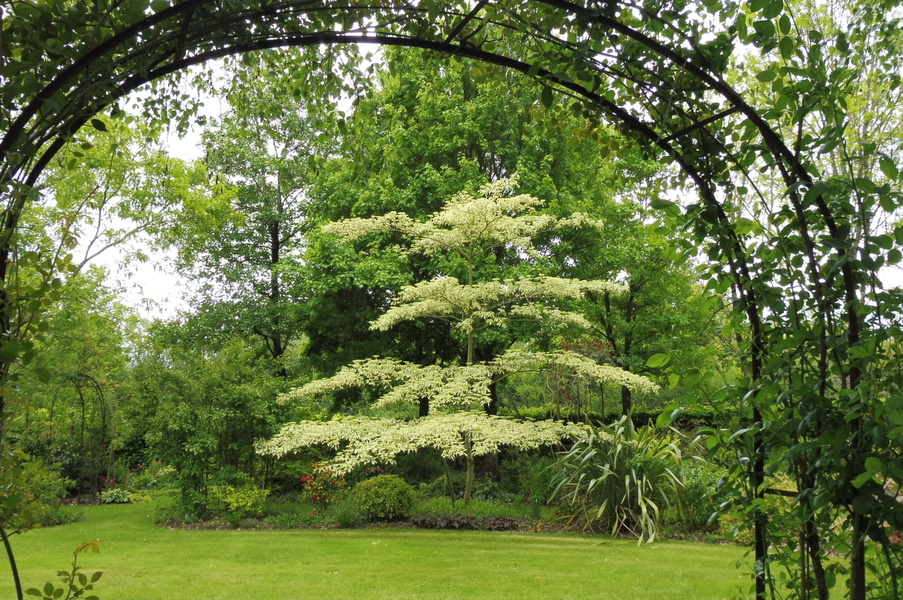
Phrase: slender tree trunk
x=857 y=558
x=626 y=400
x=468 y=482
x=12 y=563
x=448 y=480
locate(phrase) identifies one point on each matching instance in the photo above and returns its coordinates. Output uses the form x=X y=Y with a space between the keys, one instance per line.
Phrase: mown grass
x=142 y=561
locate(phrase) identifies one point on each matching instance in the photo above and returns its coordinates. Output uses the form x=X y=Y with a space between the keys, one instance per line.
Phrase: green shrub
x=384 y=498
x=154 y=476
x=528 y=475
x=698 y=504
x=322 y=486
x=29 y=492
x=245 y=501
x=438 y=488
x=115 y=496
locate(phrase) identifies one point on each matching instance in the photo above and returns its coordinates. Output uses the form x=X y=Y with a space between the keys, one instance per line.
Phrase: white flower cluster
x=491 y=303
x=468 y=226
x=580 y=367
x=363 y=441
x=466 y=385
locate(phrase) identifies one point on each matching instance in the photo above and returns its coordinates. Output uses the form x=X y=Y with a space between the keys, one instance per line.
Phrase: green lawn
x=141 y=561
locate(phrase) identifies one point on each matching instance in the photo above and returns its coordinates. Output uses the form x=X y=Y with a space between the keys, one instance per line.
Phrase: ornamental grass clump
x=384 y=498
x=620 y=478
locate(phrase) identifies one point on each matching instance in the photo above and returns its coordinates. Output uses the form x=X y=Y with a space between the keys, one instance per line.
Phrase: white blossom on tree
x=363 y=441
x=461 y=385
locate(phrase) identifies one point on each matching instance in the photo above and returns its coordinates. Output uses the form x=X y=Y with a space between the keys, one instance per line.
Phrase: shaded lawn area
x=142 y=561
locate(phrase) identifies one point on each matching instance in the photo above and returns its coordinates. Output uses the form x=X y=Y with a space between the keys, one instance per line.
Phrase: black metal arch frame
x=632 y=67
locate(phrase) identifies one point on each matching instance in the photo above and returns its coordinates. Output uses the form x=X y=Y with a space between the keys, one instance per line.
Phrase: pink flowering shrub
x=322 y=486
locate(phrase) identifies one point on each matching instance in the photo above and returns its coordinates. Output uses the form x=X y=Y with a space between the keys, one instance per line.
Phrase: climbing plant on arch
x=819 y=336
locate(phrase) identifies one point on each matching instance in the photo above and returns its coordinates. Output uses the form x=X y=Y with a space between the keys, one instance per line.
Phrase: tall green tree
x=261 y=155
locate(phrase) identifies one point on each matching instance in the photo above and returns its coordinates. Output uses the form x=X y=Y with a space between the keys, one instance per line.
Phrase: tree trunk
x=12 y=563
x=468 y=482
x=857 y=558
x=626 y=400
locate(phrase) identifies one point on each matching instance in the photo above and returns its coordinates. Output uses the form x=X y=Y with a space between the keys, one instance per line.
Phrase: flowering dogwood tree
x=473 y=230
x=469 y=233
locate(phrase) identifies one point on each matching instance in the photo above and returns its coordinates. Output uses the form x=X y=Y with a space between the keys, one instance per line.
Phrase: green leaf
x=889 y=168
x=873 y=464
x=773 y=9
x=98 y=125
x=546 y=96
x=660 y=203
x=10 y=350
x=42 y=374
x=658 y=360
x=862 y=479
x=863 y=503
x=787 y=47
x=766 y=76
x=884 y=241
x=784 y=25
x=898 y=234
x=765 y=29
x=663 y=420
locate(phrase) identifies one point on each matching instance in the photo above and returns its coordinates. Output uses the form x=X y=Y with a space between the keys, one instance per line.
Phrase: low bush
x=528 y=475
x=154 y=476
x=484 y=508
x=321 y=487
x=444 y=521
x=698 y=497
x=384 y=498
x=245 y=501
x=115 y=496
x=345 y=513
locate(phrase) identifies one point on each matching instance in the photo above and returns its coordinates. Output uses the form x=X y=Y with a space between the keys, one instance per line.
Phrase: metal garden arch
x=657 y=70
